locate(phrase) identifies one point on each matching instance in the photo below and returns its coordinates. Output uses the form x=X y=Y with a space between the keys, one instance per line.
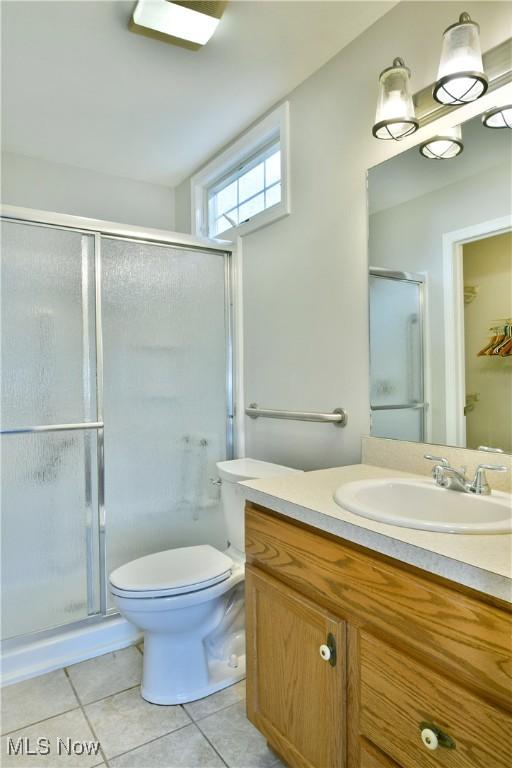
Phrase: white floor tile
x=237 y=740
x=96 y=678
x=186 y=748
x=125 y=721
x=71 y=725
x=36 y=699
x=221 y=700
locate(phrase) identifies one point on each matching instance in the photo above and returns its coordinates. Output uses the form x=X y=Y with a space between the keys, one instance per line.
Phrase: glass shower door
x=396 y=357
x=165 y=396
x=50 y=571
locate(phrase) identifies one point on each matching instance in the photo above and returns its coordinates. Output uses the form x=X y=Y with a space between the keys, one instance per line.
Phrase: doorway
x=487 y=282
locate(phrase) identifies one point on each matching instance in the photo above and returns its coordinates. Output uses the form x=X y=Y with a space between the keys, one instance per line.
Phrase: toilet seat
x=172 y=572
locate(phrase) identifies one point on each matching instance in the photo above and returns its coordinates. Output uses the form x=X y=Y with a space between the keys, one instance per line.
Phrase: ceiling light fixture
x=395 y=118
x=445 y=146
x=499 y=117
x=461 y=77
x=187 y=24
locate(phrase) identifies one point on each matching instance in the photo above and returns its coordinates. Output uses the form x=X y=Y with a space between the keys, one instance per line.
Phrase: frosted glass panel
x=164 y=397
x=47 y=326
x=395 y=342
x=49 y=529
x=399 y=424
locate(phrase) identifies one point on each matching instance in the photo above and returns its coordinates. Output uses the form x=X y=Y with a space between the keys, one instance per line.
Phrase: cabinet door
x=295 y=697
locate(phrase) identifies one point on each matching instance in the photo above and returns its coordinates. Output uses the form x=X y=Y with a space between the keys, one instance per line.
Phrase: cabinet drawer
x=373 y=758
x=397 y=694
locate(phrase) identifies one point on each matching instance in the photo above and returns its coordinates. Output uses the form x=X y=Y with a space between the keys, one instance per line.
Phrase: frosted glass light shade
x=499 y=117
x=395 y=117
x=443 y=147
x=461 y=76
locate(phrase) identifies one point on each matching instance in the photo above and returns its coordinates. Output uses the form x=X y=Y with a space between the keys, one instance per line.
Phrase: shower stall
x=117 y=400
x=397 y=354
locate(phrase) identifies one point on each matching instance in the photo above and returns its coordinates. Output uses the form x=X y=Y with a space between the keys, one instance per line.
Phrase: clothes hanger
x=503 y=341
x=493 y=343
x=506 y=348
x=487 y=350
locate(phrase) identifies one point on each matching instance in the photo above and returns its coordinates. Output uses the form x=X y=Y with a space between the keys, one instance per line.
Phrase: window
x=246 y=186
x=251 y=189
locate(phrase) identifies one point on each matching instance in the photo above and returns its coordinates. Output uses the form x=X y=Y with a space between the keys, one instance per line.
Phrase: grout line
x=38 y=722
x=115 y=693
x=210 y=743
x=66 y=675
x=57 y=714
x=84 y=713
x=167 y=733
x=220 y=709
x=81 y=707
x=102 y=752
x=151 y=741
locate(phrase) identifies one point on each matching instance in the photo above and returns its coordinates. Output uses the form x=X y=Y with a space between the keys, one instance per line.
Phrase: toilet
x=189 y=602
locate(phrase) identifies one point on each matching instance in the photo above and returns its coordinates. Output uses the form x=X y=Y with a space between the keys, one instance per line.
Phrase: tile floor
x=99 y=700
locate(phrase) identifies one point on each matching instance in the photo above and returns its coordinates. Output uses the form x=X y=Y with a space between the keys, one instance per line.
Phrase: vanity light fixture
x=498 y=117
x=187 y=24
x=461 y=77
x=445 y=146
x=395 y=117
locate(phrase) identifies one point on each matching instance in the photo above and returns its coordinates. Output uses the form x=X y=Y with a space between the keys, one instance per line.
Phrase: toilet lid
x=174 y=571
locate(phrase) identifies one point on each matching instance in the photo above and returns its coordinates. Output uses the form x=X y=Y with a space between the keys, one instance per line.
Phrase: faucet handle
x=480 y=484
x=437 y=471
x=494 y=467
x=438 y=459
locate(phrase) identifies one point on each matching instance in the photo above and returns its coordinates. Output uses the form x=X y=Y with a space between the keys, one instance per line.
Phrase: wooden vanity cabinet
x=355 y=660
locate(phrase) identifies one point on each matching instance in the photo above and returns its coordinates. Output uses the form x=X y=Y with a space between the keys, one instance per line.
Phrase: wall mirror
x=440 y=294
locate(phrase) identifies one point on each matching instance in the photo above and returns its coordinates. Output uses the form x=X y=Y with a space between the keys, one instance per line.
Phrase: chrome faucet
x=455 y=480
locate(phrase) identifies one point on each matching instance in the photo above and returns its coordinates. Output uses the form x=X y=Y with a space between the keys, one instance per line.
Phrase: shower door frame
x=98 y=228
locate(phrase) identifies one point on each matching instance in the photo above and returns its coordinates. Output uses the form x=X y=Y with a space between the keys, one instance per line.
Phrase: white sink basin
x=422 y=504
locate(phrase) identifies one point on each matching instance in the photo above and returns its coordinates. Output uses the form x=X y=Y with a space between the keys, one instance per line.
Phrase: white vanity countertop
x=481 y=562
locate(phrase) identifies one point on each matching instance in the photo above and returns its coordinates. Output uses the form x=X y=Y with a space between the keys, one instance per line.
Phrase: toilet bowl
x=189 y=603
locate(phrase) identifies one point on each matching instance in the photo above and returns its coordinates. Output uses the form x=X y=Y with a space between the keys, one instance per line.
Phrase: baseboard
x=30 y=659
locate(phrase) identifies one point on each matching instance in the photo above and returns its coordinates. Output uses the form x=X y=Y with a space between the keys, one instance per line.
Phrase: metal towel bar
x=338 y=417
x=399 y=407
x=52 y=428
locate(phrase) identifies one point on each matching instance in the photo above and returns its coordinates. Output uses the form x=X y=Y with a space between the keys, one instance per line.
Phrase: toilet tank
x=232 y=496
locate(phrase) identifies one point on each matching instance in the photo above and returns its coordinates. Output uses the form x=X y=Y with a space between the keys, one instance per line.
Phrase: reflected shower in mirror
x=440 y=272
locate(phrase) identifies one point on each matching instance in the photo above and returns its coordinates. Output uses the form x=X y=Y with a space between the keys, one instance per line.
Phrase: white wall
x=35 y=183
x=305 y=277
